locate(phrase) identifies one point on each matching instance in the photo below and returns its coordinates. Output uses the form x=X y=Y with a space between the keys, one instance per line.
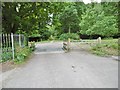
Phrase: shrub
x=51 y=38
x=32 y=45
x=73 y=36
x=6 y=54
x=22 y=53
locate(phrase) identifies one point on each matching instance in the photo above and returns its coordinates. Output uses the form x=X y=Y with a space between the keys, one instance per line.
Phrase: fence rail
x=98 y=40
x=67 y=46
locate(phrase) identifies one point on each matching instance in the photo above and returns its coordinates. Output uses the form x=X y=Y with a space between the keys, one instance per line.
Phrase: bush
x=73 y=36
x=22 y=53
x=6 y=54
x=51 y=38
x=32 y=45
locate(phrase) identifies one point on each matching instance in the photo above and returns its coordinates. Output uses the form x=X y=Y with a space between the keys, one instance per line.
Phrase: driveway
x=50 y=67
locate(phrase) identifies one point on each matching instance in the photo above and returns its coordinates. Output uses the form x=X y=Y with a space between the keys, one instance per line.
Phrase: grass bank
x=22 y=55
x=108 y=47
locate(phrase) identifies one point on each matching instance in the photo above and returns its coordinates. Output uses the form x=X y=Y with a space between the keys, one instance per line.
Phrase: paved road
x=65 y=70
x=52 y=47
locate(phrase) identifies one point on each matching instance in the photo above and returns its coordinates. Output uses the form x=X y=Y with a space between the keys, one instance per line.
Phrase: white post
x=12 y=45
x=19 y=40
x=9 y=40
x=99 y=40
x=1 y=46
x=6 y=40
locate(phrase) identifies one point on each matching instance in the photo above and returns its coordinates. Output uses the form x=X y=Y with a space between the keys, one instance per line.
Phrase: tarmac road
x=48 y=69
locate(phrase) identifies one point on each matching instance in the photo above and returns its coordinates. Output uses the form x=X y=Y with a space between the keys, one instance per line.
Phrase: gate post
x=12 y=45
x=19 y=40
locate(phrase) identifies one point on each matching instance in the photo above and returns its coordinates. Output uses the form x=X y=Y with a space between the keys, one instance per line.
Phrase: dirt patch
x=80 y=47
x=6 y=66
x=9 y=65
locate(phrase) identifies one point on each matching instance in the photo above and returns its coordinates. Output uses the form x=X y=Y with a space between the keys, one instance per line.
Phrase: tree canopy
x=96 y=22
x=44 y=19
x=69 y=19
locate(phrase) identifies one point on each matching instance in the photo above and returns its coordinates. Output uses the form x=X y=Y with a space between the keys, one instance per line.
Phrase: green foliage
x=69 y=19
x=25 y=17
x=96 y=22
x=73 y=36
x=46 y=18
x=45 y=34
x=6 y=56
x=32 y=45
x=22 y=53
x=51 y=38
x=107 y=47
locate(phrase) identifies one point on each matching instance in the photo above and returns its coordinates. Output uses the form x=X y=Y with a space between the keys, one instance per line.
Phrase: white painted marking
x=52 y=52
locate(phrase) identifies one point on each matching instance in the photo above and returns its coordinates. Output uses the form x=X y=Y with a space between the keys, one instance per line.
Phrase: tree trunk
x=69 y=29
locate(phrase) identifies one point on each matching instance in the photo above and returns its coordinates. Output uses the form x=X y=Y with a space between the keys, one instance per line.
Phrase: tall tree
x=98 y=22
x=69 y=18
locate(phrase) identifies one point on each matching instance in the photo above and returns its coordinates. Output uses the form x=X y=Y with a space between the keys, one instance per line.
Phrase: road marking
x=52 y=52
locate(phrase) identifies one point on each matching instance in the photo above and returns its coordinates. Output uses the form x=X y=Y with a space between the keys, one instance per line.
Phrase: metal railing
x=9 y=42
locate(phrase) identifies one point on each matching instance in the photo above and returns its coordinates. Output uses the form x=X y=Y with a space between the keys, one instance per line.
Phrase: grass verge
x=22 y=55
x=106 y=48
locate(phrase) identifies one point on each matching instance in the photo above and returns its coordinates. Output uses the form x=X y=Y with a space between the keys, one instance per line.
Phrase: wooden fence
x=67 y=46
x=98 y=40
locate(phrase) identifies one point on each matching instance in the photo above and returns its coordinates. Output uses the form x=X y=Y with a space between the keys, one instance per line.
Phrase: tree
x=25 y=17
x=10 y=21
x=96 y=22
x=69 y=18
x=41 y=17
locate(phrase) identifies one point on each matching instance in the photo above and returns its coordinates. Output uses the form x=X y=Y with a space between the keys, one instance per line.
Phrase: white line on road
x=49 y=52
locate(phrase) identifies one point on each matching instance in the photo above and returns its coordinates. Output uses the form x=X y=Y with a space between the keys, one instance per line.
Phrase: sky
x=89 y=1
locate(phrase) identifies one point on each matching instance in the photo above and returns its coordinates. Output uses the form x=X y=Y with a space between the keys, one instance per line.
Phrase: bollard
x=99 y=40
x=68 y=44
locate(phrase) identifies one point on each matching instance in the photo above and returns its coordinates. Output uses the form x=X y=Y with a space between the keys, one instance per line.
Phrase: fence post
x=9 y=40
x=12 y=45
x=1 y=46
x=3 y=41
x=19 y=40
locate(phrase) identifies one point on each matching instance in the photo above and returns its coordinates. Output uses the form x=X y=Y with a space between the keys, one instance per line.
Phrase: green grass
x=106 y=48
x=21 y=53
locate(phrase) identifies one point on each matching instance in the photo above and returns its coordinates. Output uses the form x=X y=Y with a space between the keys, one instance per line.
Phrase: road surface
x=50 y=67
